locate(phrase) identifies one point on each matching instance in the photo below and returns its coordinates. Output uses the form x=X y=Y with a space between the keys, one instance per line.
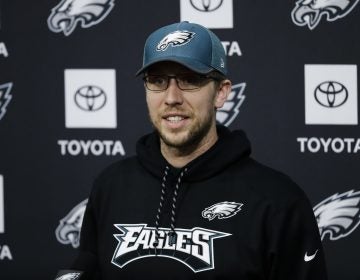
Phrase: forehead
x=168 y=67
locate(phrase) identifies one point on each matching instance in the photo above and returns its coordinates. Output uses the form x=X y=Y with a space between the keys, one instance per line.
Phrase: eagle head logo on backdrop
x=5 y=97
x=338 y=215
x=68 y=231
x=310 y=12
x=68 y=13
x=231 y=108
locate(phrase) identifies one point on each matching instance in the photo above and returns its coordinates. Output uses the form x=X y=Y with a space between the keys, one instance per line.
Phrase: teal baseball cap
x=189 y=44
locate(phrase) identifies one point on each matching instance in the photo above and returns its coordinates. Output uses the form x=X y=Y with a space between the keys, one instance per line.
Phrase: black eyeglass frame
x=204 y=79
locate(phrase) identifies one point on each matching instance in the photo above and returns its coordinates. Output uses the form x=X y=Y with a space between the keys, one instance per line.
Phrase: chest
x=217 y=226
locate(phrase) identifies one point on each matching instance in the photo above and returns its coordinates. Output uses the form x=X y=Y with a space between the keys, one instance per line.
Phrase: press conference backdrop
x=70 y=105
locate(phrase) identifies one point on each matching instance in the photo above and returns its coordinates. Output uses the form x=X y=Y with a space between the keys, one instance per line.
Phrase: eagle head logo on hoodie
x=221 y=210
x=68 y=13
x=310 y=12
x=69 y=276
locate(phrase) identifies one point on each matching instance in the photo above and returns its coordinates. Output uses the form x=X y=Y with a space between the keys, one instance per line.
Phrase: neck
x=181 y=156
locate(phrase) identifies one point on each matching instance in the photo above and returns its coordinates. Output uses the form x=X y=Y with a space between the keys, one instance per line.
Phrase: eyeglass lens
x=184 y=81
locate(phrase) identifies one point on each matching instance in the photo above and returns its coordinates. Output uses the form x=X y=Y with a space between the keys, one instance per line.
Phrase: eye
x=156 y=80
x=68 y=8
x=191 y=79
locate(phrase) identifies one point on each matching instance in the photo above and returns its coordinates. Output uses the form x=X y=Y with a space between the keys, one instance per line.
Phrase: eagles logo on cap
x=188 y=44
x=176 y=38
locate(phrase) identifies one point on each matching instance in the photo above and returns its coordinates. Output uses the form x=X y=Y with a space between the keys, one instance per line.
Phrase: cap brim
x=190 y=63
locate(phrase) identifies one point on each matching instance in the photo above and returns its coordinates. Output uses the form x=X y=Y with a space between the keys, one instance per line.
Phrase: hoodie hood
x=230 y=147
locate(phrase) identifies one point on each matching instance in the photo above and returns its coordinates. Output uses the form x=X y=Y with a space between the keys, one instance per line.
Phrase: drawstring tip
x=172 y=237
x=156 y=244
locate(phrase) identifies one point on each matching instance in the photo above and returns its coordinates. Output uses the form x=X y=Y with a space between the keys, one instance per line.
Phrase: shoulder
x=272 y=185
x=115 y=173
x=117 y=168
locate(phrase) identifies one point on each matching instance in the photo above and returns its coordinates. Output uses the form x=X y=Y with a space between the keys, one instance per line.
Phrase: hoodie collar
x=231 y=146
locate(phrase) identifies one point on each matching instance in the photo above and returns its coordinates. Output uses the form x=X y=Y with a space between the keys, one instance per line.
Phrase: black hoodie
x=222 y=216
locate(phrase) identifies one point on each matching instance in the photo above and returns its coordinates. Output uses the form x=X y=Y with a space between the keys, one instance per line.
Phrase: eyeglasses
x=186 y=82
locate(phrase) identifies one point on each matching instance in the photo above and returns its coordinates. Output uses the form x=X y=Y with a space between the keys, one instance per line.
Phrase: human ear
x=222 y=94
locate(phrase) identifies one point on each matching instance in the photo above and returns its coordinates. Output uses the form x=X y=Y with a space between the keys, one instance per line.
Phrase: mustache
x=175 y=111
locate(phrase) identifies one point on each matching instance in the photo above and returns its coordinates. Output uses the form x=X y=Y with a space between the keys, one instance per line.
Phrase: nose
x=174 y=95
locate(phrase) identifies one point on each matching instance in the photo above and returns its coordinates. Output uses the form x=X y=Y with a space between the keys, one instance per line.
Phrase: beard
x=189 y=138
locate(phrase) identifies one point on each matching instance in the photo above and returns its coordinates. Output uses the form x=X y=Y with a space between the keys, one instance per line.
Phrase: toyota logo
x=90 y=98
x=206 y=5
x=331 y=94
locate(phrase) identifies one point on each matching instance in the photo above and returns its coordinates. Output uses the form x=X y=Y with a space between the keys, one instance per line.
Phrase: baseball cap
x=189 y=44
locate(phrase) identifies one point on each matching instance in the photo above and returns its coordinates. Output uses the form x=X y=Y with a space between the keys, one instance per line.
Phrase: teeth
x=175 y=118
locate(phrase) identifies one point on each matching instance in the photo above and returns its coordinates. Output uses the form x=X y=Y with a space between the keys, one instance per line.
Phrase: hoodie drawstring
x=158 y=214
x=172 y=233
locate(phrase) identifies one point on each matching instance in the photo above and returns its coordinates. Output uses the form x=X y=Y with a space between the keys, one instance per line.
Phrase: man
x=192 y=204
